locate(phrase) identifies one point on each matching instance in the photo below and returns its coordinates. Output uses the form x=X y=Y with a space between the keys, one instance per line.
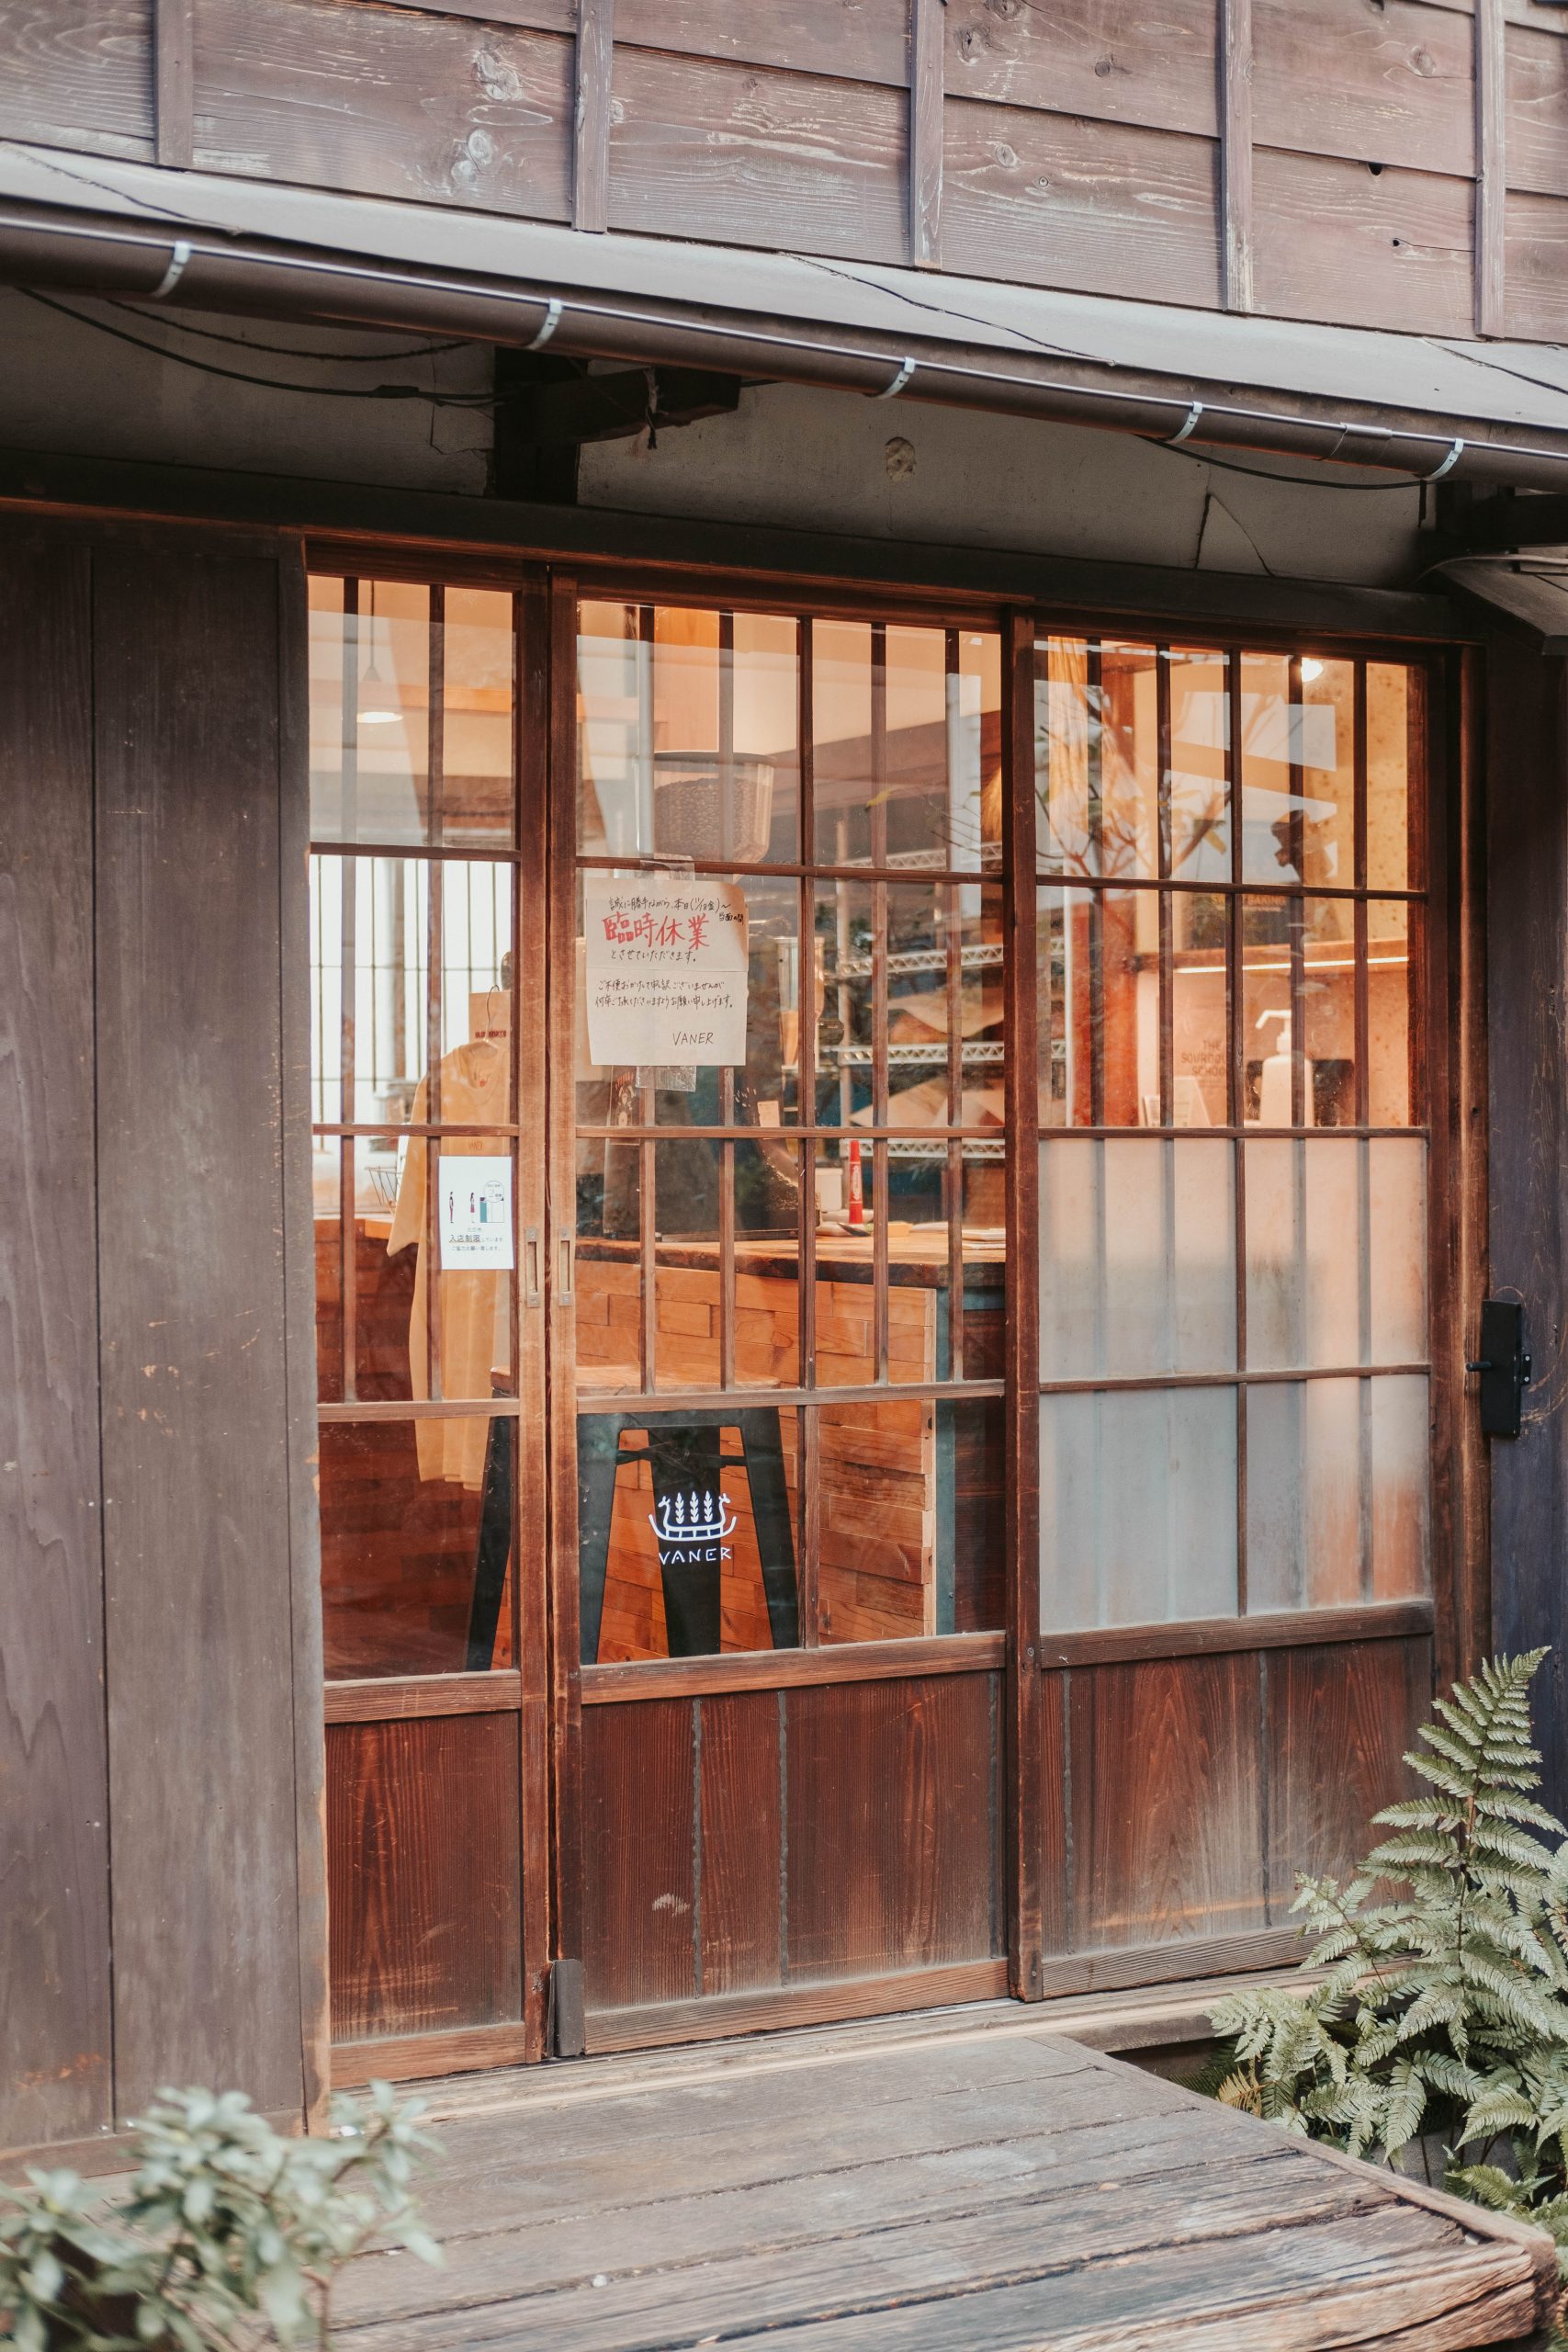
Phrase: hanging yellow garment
x=476 y=1302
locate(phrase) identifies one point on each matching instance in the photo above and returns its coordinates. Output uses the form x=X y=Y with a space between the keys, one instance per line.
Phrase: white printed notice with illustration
x=475 y=1210
x=665 y=968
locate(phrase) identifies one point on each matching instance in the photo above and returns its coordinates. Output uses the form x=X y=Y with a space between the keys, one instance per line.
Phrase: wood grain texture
x=927 y=28
x=741 y=1924
x=639 y=1854
x=1537 y=267
x=79 y=73
x=1285 y=1629
x=609 y=1686
x=1492 y=124
x=715 y=151
x=381 y=103
x=54 y=1928
x=1338 y=1722
x=1236 y=107
x=848 y=39
x=1526 y=1045
x=891 y=1788
x=1167 y=1811
x=424 y=1835
x=398 y=1698
x=593 y=53
x=1393 y=251
x=1050 y=200
x=1531 y=94
x=193 y=1300
x=718 y=2018
x=1388 y=85
x=1113 y=60
x=173 y=81
x=1054 y=1865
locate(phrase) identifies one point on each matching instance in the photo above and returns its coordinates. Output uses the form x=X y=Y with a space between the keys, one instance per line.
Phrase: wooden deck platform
x=969 y=2182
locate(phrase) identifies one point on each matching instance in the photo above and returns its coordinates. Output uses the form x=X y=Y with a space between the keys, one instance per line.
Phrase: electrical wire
x=1261 y=473
x=267 y=383
x=282 y=350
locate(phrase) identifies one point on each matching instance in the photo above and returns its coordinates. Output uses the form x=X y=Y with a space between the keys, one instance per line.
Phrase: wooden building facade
x=743 y=1253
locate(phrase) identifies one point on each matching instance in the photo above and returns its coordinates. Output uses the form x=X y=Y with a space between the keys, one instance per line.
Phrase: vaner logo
x=692 y=1535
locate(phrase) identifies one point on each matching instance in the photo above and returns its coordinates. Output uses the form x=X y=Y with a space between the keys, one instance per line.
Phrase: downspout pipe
x=84 y=254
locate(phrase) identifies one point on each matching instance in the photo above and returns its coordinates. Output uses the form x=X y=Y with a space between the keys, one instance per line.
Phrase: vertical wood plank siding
x=1408 y=166
x=54 y=1967
x=1527 y=926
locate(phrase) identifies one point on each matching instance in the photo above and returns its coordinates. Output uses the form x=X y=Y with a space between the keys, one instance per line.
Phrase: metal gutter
x=45 y=246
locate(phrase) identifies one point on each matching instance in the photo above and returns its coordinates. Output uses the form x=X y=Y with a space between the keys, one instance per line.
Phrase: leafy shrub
x=1445 y=2013
x=229 y=2236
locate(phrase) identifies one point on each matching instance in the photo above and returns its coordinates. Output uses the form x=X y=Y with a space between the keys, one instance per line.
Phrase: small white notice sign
x=475 y=1210
x=665 y=969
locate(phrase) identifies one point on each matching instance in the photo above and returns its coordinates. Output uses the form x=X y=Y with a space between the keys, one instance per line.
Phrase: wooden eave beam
x=614 y=407
x=1532 y=606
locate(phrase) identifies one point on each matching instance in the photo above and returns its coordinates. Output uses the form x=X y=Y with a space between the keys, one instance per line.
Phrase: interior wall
x=162 y=1916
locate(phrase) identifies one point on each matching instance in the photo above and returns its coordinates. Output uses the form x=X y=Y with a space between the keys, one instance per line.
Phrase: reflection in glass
x=1391 y=984
x=906 y=746
x=1137 y=1270
x=1396 y=1251
x=1394 y=711
x=1304 y=1254
x=1098 y=1008
x=391 y=762
x=415 y=1563
x=1137 y=1507
x=1199 y=767
x=1298 y=770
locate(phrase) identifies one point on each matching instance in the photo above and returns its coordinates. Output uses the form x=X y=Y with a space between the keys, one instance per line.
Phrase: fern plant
x=1444 y=2013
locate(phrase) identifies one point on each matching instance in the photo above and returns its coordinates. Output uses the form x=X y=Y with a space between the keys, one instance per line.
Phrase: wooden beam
x=1499 y=525
x=1235 y=153
x=590 y=149
x=928 y=29
x=1529 y=604
x=174 y=82
x=1490 y=171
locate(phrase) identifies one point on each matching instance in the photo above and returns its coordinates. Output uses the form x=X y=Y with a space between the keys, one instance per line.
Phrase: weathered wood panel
x=1536 y=243
x=1393 y=84
x=855 y=41
x=1116 y=60
x=1536 y=101
x=423 y=1838
x=1337 y=241
x=1167 y=1807
x=1339 y=1720
x=891 y=1789
x=1526 y=1046
x=740 y=1827
x=385 y=103
x=1055 y=1887
x=742 y=157
x=54 y=1931
x=1048 y=199
x=192 y=1310
x=78 y=73
x=638 y=1842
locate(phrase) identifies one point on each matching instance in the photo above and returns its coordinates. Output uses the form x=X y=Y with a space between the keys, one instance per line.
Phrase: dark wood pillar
x=1527 y=956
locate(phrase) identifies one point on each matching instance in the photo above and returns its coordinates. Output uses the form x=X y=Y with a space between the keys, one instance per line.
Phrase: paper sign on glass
x=475 y=1210
x=665 y=968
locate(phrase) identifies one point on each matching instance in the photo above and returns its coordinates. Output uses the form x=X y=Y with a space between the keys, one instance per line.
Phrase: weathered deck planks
x=982 y=2182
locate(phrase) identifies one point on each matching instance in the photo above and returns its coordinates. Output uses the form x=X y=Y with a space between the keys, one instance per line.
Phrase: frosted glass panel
x=1137 y=1271
x=1304 y=1223
x=1137 y=1507
x=1397 y=1250
x=1399 y=1417
x=1304 y=1494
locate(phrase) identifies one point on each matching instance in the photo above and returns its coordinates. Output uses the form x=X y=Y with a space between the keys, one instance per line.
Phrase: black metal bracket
x=1504 y=1366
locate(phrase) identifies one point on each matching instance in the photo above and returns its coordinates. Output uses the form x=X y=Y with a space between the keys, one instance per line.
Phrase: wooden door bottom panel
x=725 y=2014
x=415 y=2057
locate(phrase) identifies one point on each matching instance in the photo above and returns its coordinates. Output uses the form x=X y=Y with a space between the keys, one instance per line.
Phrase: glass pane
x=1098 y=1008
x=1391 y=980
x=455 y=1210
x=1199 y=1036
x=687 y=1531
x=1096 y=758
x=887 y=1480
x=1304 y=1484
x=1199 y=767
x=1137 y=1268
x=1328 y=1012
x=907 y=759
x=1137 y=1507
x=608 y=1282
x=372 y=918
x=1400 y=1432
x=1397 y=1252
x=972 y=1433
x=390 y=761
x=1394 y=706
x=416 y=1521
x=687 y=734
x=1303 y=1253
x=1298 y=770
x=1271 y=931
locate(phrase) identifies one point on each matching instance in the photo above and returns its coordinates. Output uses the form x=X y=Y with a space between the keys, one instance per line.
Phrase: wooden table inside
x=967 y=2182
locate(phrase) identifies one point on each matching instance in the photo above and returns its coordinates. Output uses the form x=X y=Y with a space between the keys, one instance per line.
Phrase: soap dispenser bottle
x=1274 y=1093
